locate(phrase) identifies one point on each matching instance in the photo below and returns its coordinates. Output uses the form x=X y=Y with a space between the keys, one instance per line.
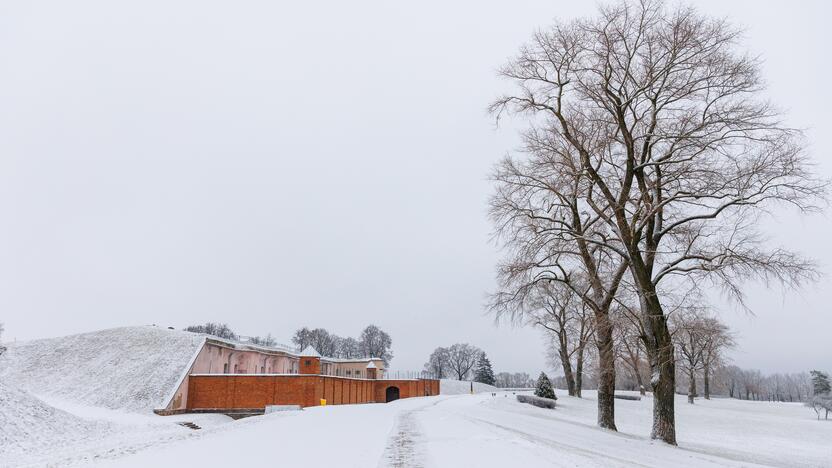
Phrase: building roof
x=371 y=365
x=309 y=352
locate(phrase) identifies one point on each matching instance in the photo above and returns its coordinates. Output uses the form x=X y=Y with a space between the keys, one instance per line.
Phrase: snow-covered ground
x=128 y=368
x=459 y=387
x=450 y=430
x=86 y=400
x=54 y=432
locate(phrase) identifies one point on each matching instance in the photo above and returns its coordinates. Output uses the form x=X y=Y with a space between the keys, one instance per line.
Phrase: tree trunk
x=567 y=368
x=606 y=372
x=691 y=386
x=579 y=373
x=706 y=382
x=660 y=353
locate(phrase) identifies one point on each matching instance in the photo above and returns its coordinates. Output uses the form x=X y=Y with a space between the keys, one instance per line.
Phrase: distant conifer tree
x=484 y=373
x=544 y=388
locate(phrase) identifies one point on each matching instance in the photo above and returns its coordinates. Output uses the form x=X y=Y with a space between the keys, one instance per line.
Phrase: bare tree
x=2 y=348
x=629 y=345
x=689 y=334
x=347 y=348
x=681 y=154
x=565 y=319
x=439 y=363
x=302 y=338
x=461 y=359
x=717 y=342
x=375 y=342
x=319 y=338
x=701 y=341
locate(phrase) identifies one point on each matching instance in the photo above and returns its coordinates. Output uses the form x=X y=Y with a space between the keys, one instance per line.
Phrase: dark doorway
x=392 y=394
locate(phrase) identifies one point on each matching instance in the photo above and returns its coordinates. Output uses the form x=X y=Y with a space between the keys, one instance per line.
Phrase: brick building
x=225 y=375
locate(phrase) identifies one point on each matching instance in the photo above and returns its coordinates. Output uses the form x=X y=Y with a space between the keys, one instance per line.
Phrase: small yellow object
x=323 y=402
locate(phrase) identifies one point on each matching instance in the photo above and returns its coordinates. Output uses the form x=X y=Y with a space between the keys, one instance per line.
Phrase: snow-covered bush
x=537 y=401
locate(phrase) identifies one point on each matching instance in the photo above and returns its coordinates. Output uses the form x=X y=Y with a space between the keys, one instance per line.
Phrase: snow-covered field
x=85 y=400
x=443 y=431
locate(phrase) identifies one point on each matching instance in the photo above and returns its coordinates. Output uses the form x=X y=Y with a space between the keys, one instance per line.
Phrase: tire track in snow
x=601 y=459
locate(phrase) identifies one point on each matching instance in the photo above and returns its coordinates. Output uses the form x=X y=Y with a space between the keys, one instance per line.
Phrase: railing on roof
x=406 y=375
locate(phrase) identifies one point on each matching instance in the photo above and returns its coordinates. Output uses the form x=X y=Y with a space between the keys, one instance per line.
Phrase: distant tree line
x=513 y=380
x=220 y=330
x=372 y=342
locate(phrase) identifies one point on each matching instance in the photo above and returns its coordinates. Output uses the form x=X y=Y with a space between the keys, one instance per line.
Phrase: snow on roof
x=309 y=351
x=130 y=368
x=371 y=365
x=346 y=360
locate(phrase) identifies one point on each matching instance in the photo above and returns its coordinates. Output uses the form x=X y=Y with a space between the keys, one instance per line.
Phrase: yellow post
x=323 y=402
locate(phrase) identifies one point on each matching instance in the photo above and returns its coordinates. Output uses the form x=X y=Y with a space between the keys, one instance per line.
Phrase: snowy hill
x=27 y=424
x=131 y=368
x=459 y=387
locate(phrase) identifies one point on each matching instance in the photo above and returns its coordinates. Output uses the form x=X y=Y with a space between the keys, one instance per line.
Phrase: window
x=308 y=362
x=349 y=372
x=262 y=369
x=225 y=368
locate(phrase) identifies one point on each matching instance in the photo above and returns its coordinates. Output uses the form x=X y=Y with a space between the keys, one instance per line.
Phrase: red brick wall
x=310 y=365
x=257 y=391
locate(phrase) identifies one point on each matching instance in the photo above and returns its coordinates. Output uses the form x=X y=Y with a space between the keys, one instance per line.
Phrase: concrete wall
x=258 y=391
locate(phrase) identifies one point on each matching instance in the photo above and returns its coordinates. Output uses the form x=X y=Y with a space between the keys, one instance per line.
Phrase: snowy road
x=485 y=431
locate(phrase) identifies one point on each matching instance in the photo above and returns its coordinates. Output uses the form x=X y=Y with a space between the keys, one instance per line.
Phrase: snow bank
x=28 y=425
x=459 y=387
x=130 y=368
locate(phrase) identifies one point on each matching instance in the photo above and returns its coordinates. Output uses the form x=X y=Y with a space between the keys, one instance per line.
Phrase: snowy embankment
x=35 y=433
x=29 y=425
x=459 y=387
x=129 y=368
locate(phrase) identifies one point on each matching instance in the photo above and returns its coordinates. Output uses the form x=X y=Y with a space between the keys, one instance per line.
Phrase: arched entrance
x=392 y=394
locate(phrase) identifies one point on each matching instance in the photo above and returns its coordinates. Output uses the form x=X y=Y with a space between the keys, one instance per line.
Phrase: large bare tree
x=664 y=114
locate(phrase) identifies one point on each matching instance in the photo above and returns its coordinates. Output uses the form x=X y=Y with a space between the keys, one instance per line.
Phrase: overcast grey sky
x=280 y=164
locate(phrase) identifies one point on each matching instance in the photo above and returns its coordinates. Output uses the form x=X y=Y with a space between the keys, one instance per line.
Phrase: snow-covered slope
x=130 y=368
x=29 y=425
x=458 y=387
